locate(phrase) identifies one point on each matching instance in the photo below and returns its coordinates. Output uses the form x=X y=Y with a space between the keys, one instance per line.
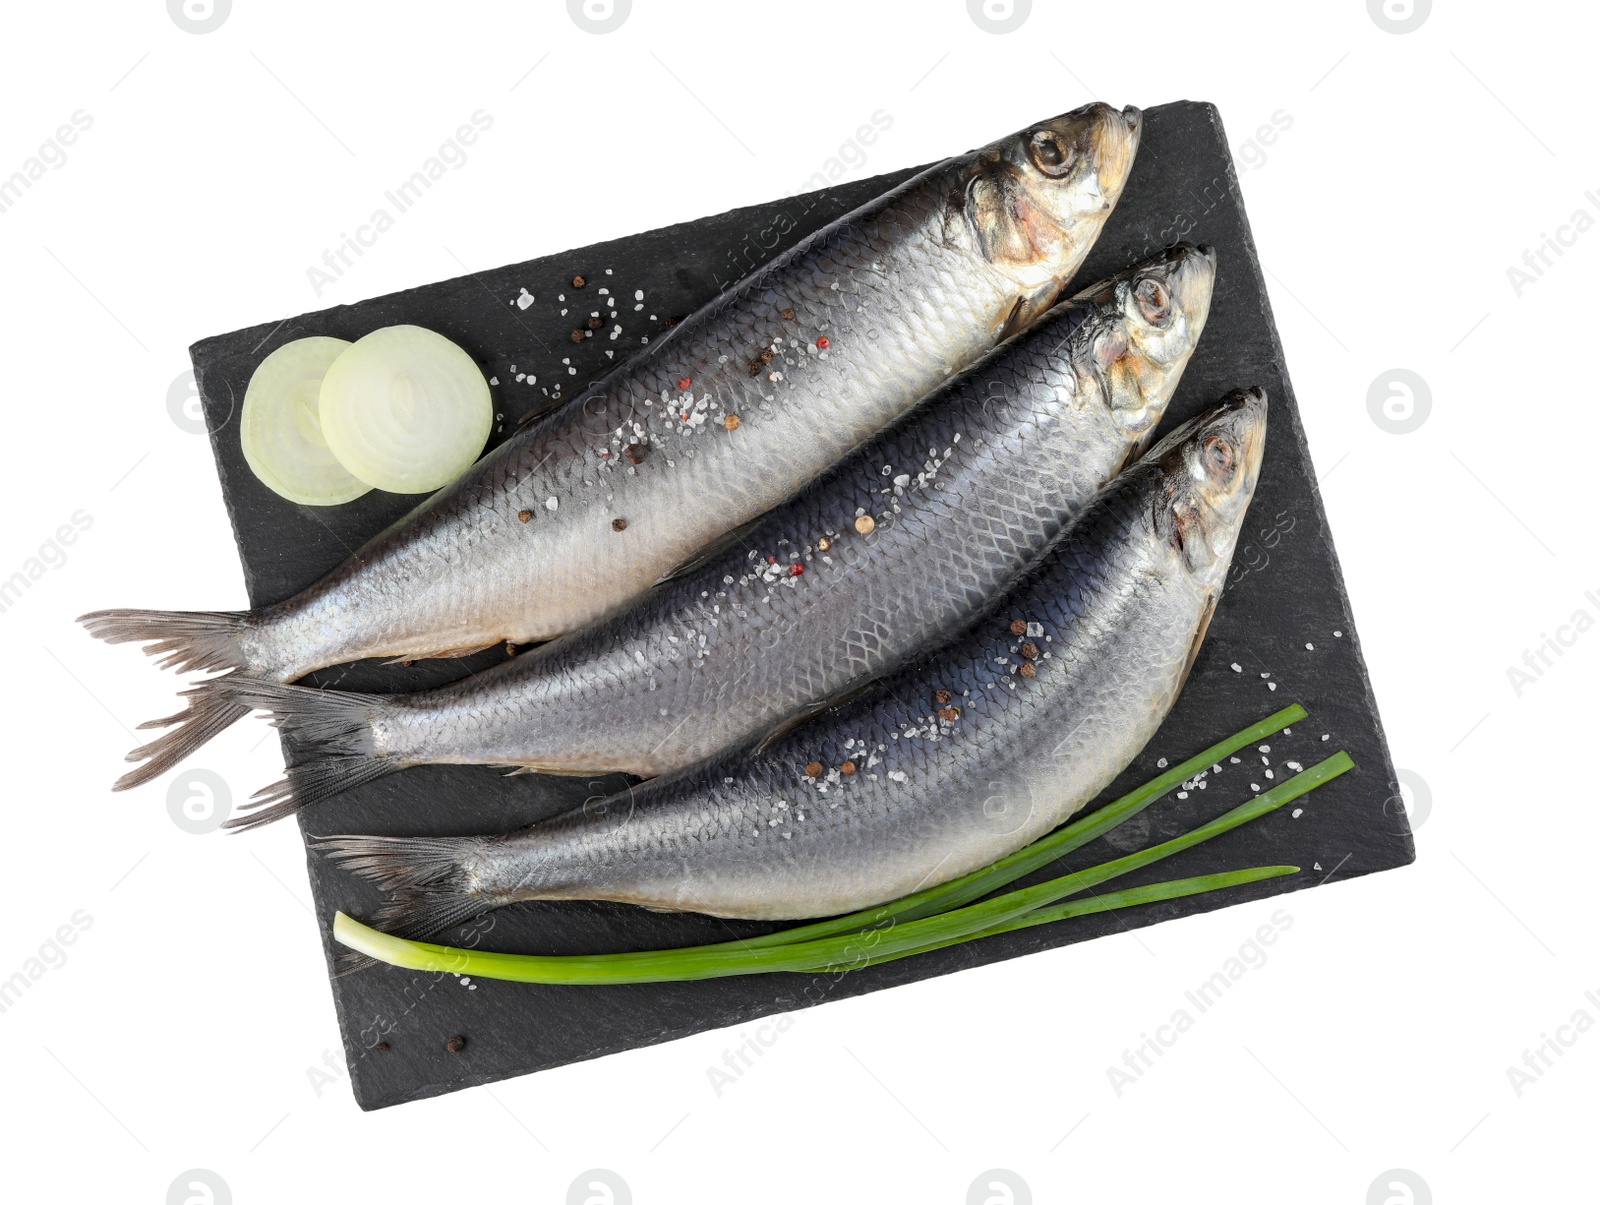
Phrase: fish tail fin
x=187 y=641
x=331 y=739
x=425 y=878
x=209 y=711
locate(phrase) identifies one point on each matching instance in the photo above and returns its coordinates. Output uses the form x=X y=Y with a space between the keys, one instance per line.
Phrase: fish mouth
x=1192 y=276
x=1245 y=406
x=1116 y=143
x=1118 y=138
x=1187 y=262
x=1134 y=117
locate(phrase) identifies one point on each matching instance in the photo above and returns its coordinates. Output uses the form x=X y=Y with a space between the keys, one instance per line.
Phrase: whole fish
x=740 y=405
x=960 y=496
x=1048 y=700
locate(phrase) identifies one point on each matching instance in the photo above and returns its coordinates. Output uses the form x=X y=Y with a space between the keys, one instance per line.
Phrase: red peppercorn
x=822 y=342
x=796 y=569
x=684 y=383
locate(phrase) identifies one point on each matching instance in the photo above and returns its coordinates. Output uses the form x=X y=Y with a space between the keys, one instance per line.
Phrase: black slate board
x=1285 y=592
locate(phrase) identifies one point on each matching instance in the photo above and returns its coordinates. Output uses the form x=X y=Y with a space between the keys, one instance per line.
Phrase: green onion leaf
x=897 y=938
x=1128 y=897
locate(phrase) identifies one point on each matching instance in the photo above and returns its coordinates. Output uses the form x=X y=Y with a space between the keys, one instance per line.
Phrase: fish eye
x=1218 y=454
x=1049 y=154
x=1155 y=303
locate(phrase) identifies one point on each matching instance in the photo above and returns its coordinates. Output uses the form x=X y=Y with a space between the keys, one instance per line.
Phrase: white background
x=1418 y=167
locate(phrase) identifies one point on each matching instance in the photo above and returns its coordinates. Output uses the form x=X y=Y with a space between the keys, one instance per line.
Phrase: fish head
x=1148 y=320
x=1209 y=467
x=1036 y=200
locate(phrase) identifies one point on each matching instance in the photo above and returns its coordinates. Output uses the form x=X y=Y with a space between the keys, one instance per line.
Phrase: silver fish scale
x=993 y=467
x=930 y=799
x=903 y=296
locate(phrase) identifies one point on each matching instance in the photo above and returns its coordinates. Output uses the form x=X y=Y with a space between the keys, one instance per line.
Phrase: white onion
x=280 y=430
x=406 y=410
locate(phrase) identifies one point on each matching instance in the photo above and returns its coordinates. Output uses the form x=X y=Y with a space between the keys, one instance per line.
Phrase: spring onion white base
x=406 y=410
x=280 y=429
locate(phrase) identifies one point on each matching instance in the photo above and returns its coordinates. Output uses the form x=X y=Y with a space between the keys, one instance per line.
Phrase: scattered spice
x=1019 y=627
x=669 y=323
x=824 y=544
x=731 y=421
x=578 y=282
x=814 y=770
x=949 y=714
x=635 y=453
x=381 y=1046
x=796 y=569
x=577 y=335
x=848 y=767
x=865 y=524
x=822 y=342
x=524 y=515
x=1027 y=669
x=619 y=525
x=942 y=696
x=760 y=362
x=684 y=383
x=511 y=649
x=786 y=314
x=1030 y=650
x=595 y=323
x=458 y=1043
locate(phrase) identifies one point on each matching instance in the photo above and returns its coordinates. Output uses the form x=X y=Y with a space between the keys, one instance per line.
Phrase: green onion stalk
x=927 y=920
